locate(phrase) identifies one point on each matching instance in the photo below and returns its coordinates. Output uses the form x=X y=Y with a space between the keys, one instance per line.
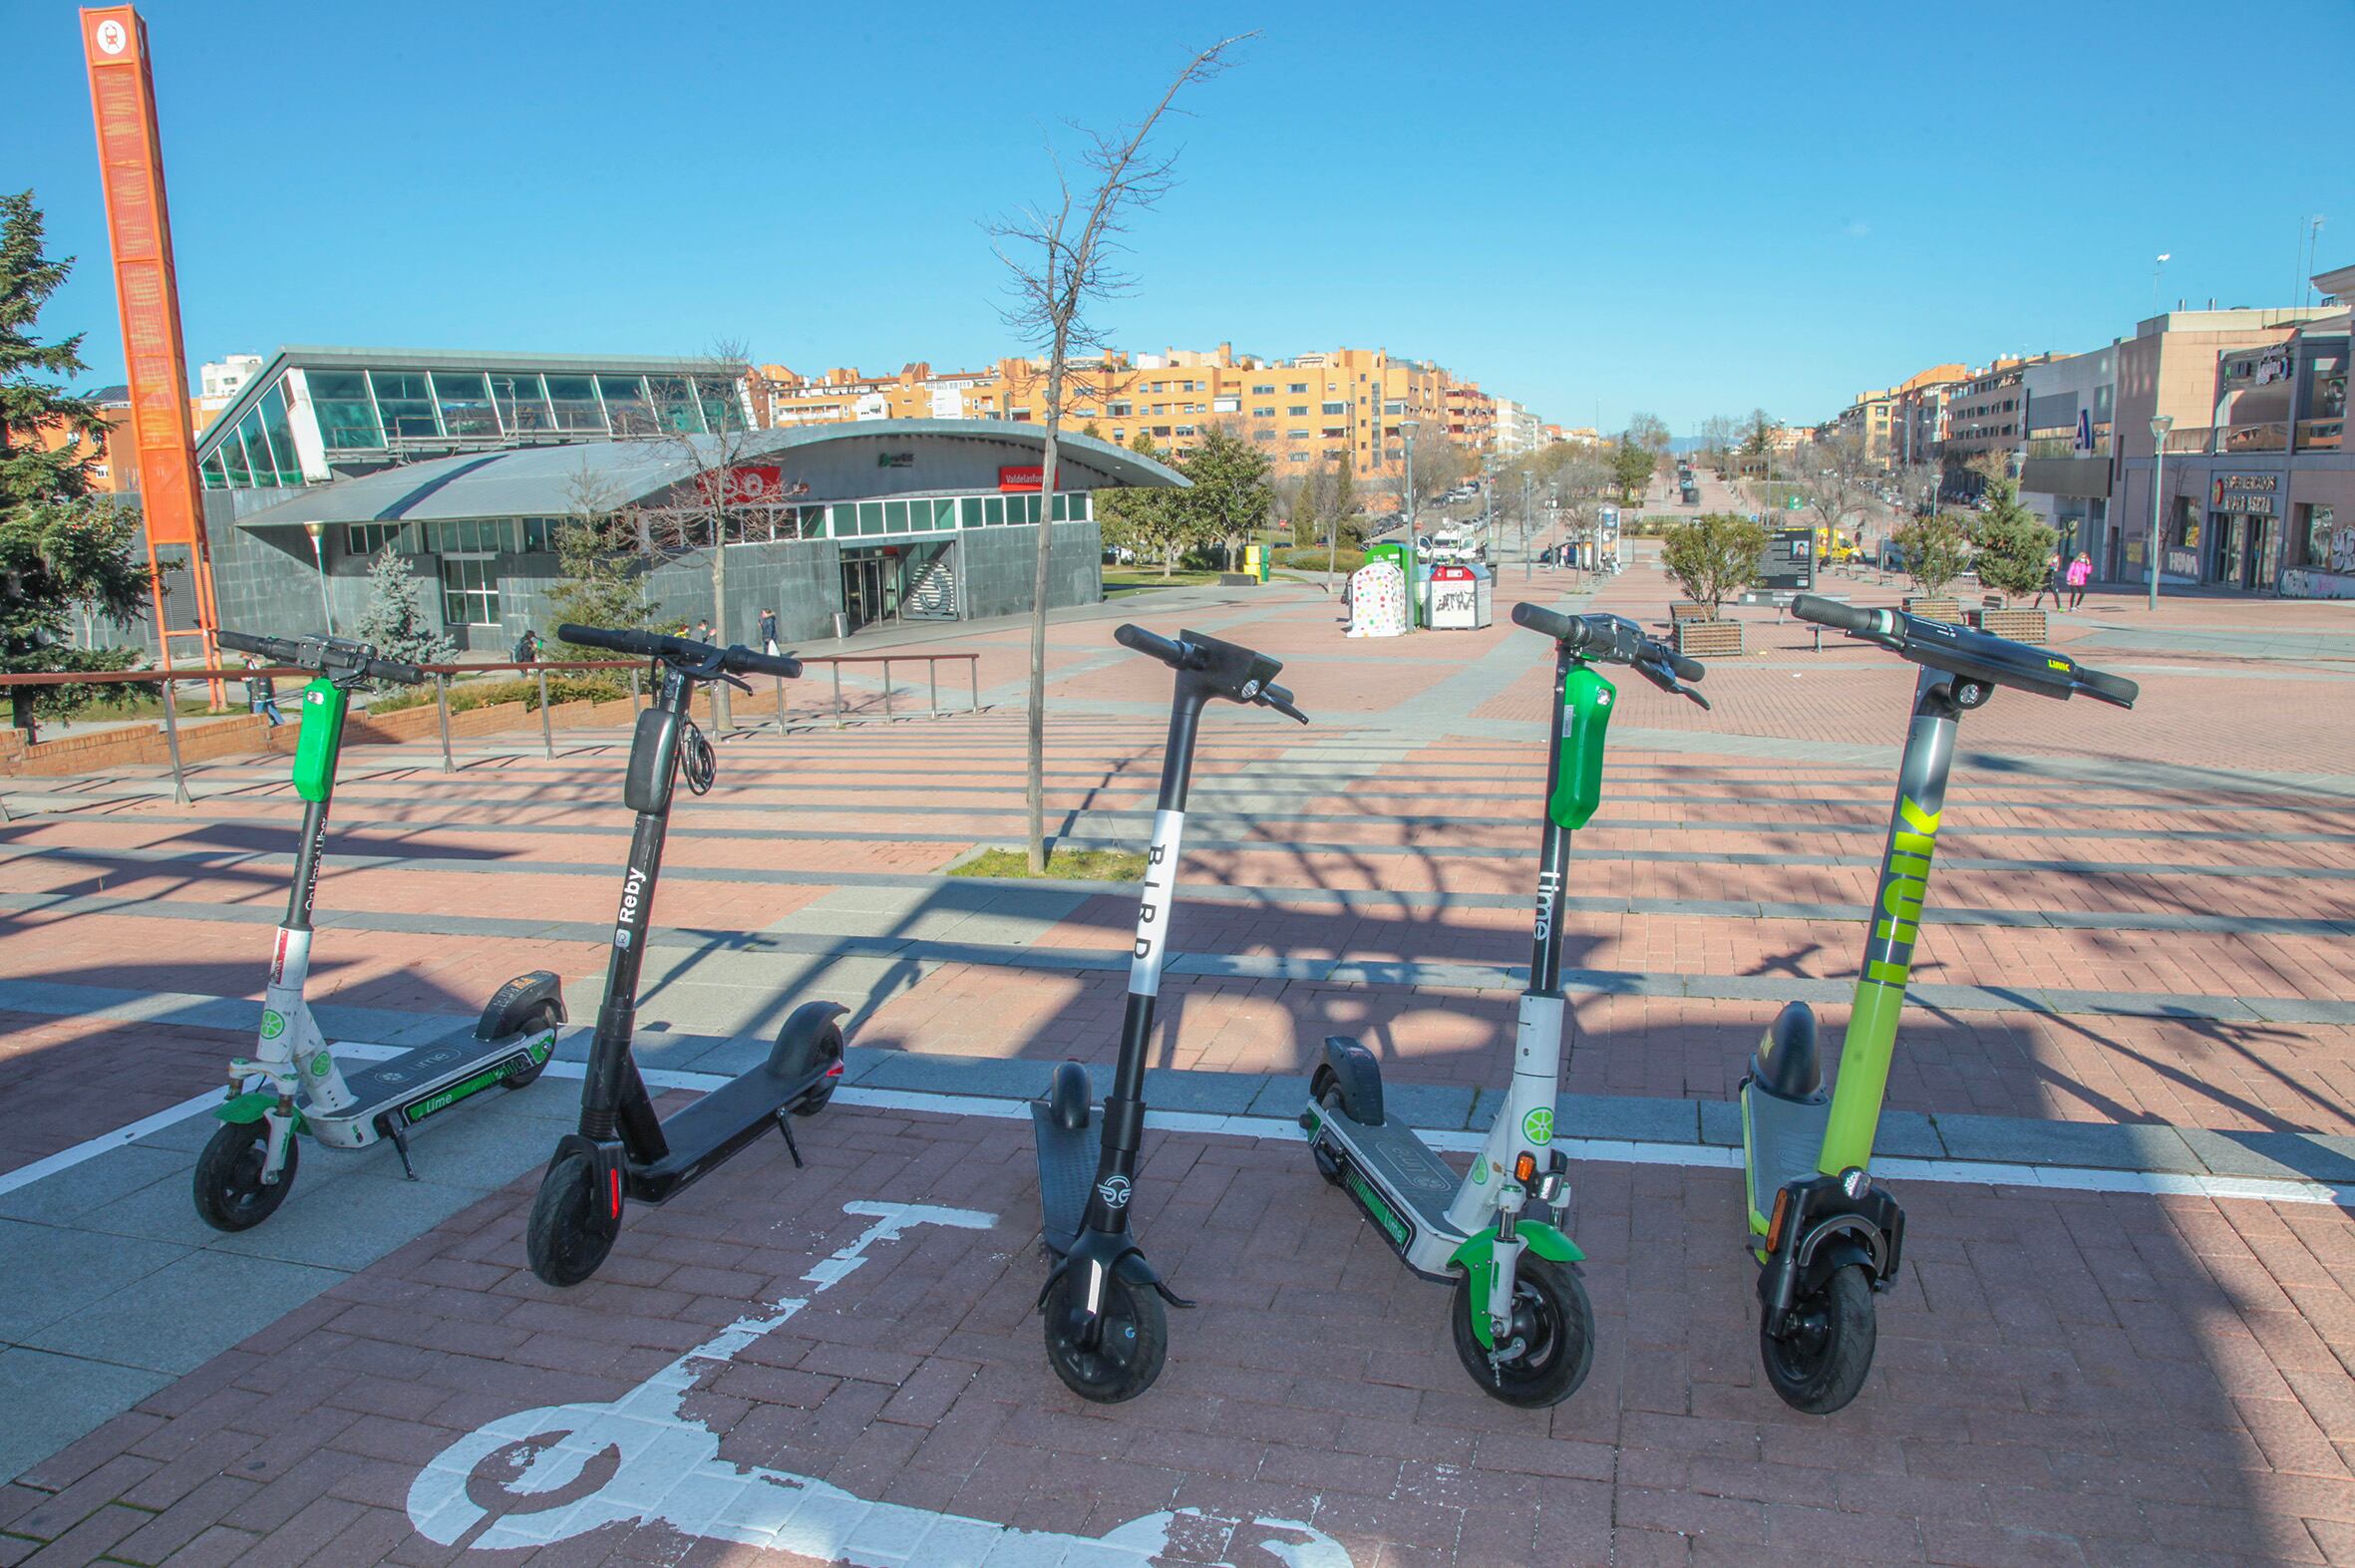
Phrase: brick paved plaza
x=2118 y=1120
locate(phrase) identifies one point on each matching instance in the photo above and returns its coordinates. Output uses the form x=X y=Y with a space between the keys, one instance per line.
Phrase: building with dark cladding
x=831 y=526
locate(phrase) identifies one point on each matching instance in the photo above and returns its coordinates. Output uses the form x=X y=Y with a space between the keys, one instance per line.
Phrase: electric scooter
x=248 y=1166
x=622 y=1150
x=1521 y=1323
x=1826 y=1237
x=1107 y=1335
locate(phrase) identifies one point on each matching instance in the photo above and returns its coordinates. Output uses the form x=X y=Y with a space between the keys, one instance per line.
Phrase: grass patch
x=1124 y=579
x=1083 y=866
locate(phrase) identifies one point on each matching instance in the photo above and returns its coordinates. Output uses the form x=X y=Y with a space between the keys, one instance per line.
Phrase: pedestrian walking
x=2081 y=572
x=528 y=647
x=1346 y=584
x=769 y=633
x=703 y=631
x=261 y=693
x=2051 y=585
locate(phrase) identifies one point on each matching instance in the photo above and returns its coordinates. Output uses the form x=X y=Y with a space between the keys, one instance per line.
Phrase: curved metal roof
x=839 y=462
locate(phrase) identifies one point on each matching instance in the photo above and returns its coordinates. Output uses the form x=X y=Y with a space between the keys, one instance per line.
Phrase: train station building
x=834 y=526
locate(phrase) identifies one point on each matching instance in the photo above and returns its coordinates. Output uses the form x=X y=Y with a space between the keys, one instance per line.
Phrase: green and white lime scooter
x=1523 y=1326
x=292 y=1082
x=1825 y=1236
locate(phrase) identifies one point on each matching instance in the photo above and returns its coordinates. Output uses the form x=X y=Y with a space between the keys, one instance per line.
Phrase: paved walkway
x=2120 y=1120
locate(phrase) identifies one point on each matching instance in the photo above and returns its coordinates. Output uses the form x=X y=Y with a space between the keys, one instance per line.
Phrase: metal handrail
x=442 y=674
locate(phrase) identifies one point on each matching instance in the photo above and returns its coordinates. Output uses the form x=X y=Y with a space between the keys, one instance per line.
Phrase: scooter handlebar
x=735 y=659
x=1551 y=623
x=277 y=648
x=1177 y=655
x=1843 y=617
x=2108 y=688
x=335 y=656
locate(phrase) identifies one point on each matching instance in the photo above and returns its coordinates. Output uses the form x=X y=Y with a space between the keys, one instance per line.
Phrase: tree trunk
x=1034 y=796
x=720 y=703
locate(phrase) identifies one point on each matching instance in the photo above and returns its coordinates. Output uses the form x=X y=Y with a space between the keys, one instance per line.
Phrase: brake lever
x=1664 y=678
x=1286 y=708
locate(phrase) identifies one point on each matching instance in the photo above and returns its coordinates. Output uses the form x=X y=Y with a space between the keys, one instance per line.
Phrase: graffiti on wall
x=2332 y=576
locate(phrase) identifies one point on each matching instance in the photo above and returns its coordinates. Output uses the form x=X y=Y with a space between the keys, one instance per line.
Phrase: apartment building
x=1339 y=404
x=1987 y=413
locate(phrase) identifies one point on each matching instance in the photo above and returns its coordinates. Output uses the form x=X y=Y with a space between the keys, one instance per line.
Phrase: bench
x=1707 y=639
x=2026 y=626
x=1948 y=610
x=1682 y=610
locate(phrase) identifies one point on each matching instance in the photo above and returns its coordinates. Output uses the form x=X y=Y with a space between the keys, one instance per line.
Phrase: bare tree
x=707 y=435
x=1835 y=478
x=1061 y=257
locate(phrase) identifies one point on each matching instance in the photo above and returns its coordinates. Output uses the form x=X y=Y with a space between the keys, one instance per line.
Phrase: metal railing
x=443 y=675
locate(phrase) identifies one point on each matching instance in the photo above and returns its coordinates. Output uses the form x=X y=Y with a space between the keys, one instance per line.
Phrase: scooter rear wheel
x=573 y=1227
x=1820 y=1361
x=1133 y=1344
x=1555 y=1324
x=545 y=1017
x=830 y=1052
x=229 y=1191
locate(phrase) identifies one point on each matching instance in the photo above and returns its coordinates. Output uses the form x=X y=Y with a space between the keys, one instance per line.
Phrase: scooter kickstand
x=401 y=1148
x=785 y=1127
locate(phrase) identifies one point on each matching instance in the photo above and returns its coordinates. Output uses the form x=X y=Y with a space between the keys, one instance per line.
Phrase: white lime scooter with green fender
x=293 y=1084
x=1521 y=1323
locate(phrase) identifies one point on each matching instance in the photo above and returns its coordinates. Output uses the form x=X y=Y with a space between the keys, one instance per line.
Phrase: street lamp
x=1407 y=428
x=319 y=559
x=2160 y=426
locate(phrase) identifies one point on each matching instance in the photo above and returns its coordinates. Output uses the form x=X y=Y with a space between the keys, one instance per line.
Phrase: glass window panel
x=944 y=513
x=215 y=477
x=895 y=517
x=258 y=462
x=994 y=509
x=573 y=400
x=674 y=403
x=346 y=413
x=406 y=403
x=464 y=397
x=281 y=434
x=970 y=511
x=721 y=410
x=626 y=408
x=871 y=517
x=231 y=453
x=470 y=593
x=522 y=405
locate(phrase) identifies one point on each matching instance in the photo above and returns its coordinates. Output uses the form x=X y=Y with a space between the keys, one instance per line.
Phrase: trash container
x=842 y=625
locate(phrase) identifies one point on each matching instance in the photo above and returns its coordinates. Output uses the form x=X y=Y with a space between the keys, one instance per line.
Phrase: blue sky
x=1690 y=210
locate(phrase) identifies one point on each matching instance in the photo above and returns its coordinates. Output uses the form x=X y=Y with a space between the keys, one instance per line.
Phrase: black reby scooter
x=623 y=1150
x=1106 y=1334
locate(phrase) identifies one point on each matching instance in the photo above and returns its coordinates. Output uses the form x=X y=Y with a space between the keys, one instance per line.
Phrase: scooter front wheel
x=573 y=1224
x=1554 y=1323
x=1820 y=1361
x=230 y=1194
x=1132 y=1342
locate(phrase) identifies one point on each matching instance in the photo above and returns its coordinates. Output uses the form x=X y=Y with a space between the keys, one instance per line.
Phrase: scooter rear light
x=1775 y=1225
x=835 y=1071
x=616 y=1177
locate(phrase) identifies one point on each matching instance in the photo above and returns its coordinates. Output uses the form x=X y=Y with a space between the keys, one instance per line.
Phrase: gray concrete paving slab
x=180 y=1316
x=52 y=1400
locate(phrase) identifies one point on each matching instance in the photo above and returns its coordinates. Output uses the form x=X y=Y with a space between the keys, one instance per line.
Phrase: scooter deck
x=1067 y=1173
x=1401 y=1163
x=704 y=1133
x=432 y=1077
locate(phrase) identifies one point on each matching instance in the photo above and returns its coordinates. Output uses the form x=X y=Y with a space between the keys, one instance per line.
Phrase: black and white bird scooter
x=1106 y=1334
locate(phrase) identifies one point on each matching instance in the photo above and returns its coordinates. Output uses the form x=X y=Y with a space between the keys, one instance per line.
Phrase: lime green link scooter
x=1825 y=1236
x=292 y=1082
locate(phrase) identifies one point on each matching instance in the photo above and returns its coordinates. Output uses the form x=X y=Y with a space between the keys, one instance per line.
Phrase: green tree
x=1232 y=494
x=1937 y=548
x=63 y=552
x=2014 y=545
x=1757 y=433
x=600 y=578
x=394 y=622
x=1714 y=556
x=1632 y=470
x=1148 y=521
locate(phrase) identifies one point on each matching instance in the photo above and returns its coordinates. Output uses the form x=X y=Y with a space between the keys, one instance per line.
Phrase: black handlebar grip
x=600 y=637
x=1553 y=623
x=1686 y=669
x=2108 y=688
x=394 y=670
x=244 y=642
x=1138 y=640
x=747 y=662
x=1830 y=612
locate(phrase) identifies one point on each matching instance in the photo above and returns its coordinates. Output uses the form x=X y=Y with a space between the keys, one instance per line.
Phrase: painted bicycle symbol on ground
x=517 y=1482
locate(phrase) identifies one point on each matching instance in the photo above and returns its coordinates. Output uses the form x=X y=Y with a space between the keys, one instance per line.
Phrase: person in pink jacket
x=2081 y=572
